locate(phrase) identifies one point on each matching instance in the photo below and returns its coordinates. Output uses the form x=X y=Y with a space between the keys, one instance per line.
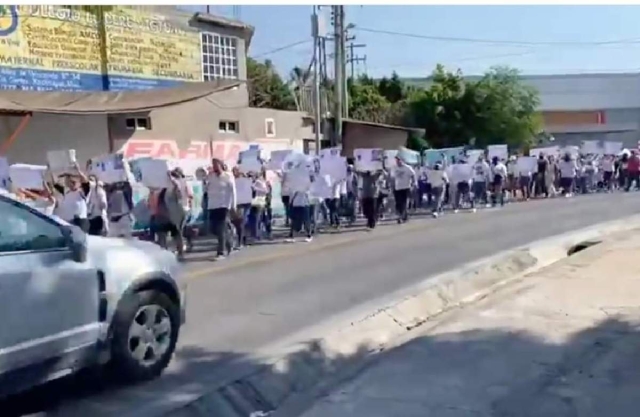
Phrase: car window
x=23 y=230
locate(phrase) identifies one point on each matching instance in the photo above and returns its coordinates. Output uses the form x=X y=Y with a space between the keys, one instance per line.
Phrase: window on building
x=219 y=56
x=226 y=126
x=269 y=128
x=138 y=123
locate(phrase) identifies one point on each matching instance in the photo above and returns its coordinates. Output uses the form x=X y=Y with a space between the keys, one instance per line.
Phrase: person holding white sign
x=481 y=172
x=97 y=207
x=499 y=172
x=120 y=210
x=438 y=179
x=222 y=198
x=72 y=199
x=403 y=179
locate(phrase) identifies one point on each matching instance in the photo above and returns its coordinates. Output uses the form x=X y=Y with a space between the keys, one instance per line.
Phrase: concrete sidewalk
x=564 y=341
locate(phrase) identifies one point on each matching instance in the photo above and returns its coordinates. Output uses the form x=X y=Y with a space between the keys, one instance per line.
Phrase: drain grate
x=582 y=246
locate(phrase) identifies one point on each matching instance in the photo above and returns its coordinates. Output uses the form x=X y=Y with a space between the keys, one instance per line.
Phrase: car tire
x=145 y=332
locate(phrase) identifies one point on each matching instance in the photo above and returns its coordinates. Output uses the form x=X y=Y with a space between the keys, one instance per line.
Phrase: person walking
x=369 y=197
x=221 y=195
x=403 y=179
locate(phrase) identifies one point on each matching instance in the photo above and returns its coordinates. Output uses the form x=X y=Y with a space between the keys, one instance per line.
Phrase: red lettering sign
x=169 y=149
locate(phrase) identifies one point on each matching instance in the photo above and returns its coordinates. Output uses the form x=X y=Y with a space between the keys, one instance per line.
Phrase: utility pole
x=316 y=77
x=339 y=87
x=352 y=58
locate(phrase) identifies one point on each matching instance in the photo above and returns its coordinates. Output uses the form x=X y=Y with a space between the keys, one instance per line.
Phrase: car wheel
x=145 y=332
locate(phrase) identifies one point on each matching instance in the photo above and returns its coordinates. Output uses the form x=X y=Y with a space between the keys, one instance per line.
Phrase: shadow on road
x=495 y=372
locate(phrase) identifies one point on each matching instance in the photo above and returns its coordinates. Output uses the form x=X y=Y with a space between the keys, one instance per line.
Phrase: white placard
x=548 y=151
x=500 y=151
x=526 y=164
x=336 y=168
x=27 y=176
x=473 y=155
x=612 y=148
x=151 y=172
x=389 y=159
x=110 y=168
x=368 y=159
x=321 y=187
x=61 y=161
x=591 y=147
x=249 y=161
x=5 y=175
x=277 y=159
x=461 y=172
x=244 y=190
x=330 y=152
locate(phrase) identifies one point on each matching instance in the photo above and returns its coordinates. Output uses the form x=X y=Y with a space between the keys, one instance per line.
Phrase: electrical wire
x=282 y=48
x=496 y=41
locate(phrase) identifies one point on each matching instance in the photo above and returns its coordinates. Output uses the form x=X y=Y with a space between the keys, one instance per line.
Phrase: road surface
x=240 y=307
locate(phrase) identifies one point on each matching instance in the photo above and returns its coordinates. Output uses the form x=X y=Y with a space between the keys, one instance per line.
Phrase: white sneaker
x=456 y=211
x=474 y=210
x=290 y=240
x=308 y=239
x=435 y=215
x=488 y=206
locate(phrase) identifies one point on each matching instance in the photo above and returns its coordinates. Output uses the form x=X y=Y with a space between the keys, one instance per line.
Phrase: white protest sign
x=249 y=161
x=590 y=147
x=61 y=161
x=461 y=172
x=244 y=190
x=336 y=168
x=189 y=167
x=151 y=172
x=389 y=159
x=330 y=152
x=612 y=148
x=277 y=159
x=110 y=168
x=551 y=150
x=27 y=176
x=499 y=151
x=5 y=175
x=473 y=155
x=368 y=159
x=526 y=164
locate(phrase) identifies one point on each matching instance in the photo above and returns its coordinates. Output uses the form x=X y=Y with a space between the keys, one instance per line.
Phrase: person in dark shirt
x=541 y=176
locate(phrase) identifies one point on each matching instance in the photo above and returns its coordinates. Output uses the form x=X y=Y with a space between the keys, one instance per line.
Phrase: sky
x=534 y=39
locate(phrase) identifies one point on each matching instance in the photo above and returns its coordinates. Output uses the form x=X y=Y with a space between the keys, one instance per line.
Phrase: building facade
x=127 y=49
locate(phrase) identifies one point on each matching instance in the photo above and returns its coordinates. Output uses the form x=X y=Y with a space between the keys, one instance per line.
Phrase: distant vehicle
x=70 y=301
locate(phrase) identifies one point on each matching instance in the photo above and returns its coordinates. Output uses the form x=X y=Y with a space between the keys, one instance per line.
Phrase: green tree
x=367 y=104
x=266 y=88
x=508 y=109
x=393 y=89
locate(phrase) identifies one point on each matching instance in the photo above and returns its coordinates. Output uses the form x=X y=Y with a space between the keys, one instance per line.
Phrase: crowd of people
x=238 y=206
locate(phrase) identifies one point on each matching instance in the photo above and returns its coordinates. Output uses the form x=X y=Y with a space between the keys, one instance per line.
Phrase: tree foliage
x=453 y=110
x=266 y=87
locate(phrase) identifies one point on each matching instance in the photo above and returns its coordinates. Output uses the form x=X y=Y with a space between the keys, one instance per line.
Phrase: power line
x=282 y=48
x=496 y=41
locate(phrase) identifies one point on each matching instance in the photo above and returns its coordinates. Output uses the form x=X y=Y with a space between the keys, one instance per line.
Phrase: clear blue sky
x=277 y=26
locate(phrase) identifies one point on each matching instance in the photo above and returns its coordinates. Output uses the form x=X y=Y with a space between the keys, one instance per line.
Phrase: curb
x=345 y=344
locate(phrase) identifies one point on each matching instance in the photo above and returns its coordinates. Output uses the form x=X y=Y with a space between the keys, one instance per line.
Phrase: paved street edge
x=343 y=344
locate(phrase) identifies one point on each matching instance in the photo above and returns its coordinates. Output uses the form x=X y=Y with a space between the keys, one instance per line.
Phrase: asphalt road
x=268 y=293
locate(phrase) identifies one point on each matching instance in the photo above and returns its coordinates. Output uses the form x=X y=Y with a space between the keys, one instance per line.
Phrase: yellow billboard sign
x=57 y=48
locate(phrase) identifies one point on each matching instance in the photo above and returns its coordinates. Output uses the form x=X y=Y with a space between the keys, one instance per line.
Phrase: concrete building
x=53 y=48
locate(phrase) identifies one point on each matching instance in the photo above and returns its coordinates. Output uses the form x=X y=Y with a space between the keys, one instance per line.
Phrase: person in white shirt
x=568 y=170
x=499 y=172
x=120 y=210
x=97 y=207
x=261 y=190
x=524 y=180
x=403 y=179
x=244 y=196
x=438 y=180
x=481 y=173
x=461 y=175
x=608 y=170
x=285 y=196
x=333 y=203
x=222 y=198
x=300 y=212
x=72 y=200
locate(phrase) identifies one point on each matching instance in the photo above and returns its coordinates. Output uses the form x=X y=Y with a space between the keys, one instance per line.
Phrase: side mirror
x=77 y=243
